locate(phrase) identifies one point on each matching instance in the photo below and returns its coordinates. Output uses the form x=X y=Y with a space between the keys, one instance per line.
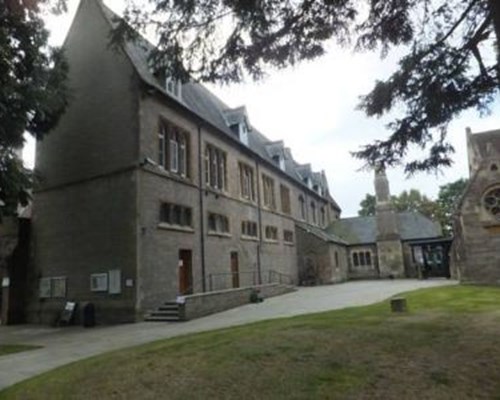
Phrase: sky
x=312 y=107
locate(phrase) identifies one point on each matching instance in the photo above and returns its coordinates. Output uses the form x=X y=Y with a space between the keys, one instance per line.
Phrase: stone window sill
x=250 y=238
x=178 y=228
x=271 y=241
x=219 y=234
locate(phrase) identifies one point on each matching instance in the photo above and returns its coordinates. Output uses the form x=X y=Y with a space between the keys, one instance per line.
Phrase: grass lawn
x=15 y=348
x=446 y=347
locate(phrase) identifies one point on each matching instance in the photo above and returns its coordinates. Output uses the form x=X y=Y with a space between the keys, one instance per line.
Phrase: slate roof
x=363 y=230
x=321 y=233
x=199 y=100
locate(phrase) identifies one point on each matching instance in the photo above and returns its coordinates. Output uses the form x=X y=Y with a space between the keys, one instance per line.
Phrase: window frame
x=286 y=207
x=247 y=181
x=215 y=167
x=269 y=197
x=174 y=149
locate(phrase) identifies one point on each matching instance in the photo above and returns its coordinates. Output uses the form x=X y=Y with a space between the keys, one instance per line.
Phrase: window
x=285 y=199
x=218 y=223
x=288 y=236
x=336 y=259
x=355 y=259
x=175 y=214
x=215 y=167
x=361 y=258
x=173 y=149
x=491 y=202
x=271 y=233
x=99 y=282
x=173 y=86
x=52 y=287
x=322 y=216
x=269 y=199
x=313 y=212
x=249 y=228
x=247 y=185
x=302 y=206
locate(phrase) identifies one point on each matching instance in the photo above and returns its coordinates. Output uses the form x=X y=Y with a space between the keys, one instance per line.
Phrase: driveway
x=65 y=345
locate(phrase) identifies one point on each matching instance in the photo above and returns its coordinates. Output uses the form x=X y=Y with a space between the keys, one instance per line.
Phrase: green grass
x=15 y=348
x=446 y=347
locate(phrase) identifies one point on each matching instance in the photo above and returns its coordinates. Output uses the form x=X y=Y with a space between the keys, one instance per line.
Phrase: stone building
x=152 y=189
x=388 y=244
x=476 y=247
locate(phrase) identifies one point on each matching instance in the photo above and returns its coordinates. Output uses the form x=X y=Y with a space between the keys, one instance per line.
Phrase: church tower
x=389 y=248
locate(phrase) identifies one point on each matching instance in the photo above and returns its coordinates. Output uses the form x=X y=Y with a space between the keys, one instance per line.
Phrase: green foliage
x=405 y=201
x=448 y=197
x=448 y=66
x=440 y=210
x=33 y=93
x=367 y=206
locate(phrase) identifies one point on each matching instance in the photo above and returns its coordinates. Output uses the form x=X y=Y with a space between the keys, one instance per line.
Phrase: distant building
x=476 y=247
x=389 y=244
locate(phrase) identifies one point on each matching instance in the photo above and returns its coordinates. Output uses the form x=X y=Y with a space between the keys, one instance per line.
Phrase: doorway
x=235 y=269
x=185 y=272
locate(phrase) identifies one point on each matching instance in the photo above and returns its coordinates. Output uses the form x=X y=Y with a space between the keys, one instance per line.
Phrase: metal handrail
x=225 y=280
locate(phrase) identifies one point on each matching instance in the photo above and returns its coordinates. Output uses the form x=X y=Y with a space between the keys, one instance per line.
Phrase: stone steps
x=167 y=312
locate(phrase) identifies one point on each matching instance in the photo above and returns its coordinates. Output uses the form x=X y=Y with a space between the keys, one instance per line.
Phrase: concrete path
x=65 y=345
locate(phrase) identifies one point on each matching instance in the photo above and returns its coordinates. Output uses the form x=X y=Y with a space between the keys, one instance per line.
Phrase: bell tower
x=389 y=248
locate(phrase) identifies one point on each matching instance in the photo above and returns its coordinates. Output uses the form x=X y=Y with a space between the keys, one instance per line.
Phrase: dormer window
x=279 y=160
x=173 y=87
x=241 y=131
x=237 y=120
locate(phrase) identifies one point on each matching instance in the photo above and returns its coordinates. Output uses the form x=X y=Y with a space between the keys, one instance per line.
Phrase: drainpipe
x=259 y=213
x=202 y=215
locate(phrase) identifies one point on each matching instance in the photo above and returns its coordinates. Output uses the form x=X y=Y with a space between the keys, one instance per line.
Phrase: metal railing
x=231 y=280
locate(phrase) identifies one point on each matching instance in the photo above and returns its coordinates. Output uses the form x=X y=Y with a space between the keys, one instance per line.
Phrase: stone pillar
x=389 y=247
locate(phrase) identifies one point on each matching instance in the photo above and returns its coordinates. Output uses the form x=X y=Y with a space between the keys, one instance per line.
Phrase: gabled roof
x=363 y=230
x=200 y=101
x=321 y=233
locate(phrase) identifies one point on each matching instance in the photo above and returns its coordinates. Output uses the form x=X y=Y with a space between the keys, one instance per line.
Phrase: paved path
x=65 y=345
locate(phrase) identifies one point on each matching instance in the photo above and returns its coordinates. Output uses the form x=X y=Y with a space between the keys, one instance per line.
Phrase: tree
x=448 y=198
x=411 y=200
x=33 y=93
x=367 y=206
x=440 y=210
x=448 y=66
x=416 y=202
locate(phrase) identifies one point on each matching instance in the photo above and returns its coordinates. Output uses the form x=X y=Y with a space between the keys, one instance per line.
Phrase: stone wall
x=475 y=253
x=320 y=262
x=84 y=212
x=199 y=305
x=370 y=271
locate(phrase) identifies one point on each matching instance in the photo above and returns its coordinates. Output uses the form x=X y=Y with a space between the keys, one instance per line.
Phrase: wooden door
x=235 y=273
x=185 y=272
